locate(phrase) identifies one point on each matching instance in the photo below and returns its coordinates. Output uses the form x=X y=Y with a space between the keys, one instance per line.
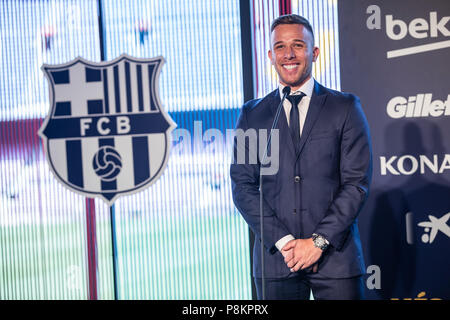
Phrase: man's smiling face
x=292 y=54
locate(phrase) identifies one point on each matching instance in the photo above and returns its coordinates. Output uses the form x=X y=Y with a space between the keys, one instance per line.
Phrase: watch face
x=320 y=243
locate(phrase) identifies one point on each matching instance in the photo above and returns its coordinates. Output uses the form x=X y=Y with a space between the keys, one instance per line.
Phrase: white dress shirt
x=307 y=88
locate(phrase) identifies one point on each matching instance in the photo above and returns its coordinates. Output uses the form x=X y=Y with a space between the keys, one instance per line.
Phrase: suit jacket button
x=297 y=179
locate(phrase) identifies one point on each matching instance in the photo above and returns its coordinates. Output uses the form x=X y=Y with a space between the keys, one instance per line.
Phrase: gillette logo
x=421 y=105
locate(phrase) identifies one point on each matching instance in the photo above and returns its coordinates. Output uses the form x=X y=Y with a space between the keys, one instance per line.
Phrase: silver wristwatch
x=320 y=242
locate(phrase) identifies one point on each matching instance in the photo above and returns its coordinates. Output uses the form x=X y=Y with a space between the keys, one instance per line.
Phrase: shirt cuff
x=282 y=242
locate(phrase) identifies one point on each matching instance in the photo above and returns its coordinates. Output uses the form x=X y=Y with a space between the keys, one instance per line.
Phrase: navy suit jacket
x=333 y=168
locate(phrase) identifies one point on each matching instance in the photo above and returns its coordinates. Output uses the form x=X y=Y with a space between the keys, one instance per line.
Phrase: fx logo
x=106 y=133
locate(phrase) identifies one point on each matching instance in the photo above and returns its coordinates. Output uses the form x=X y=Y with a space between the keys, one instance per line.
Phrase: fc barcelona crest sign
x=106 y=133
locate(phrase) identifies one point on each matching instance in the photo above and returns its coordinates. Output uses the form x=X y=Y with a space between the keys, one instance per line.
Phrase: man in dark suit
x=311 y=204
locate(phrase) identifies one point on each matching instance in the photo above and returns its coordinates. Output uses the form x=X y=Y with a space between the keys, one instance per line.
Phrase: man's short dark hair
x=292 y=19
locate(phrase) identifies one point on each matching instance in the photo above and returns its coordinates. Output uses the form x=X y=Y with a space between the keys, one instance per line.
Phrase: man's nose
x=289 y=53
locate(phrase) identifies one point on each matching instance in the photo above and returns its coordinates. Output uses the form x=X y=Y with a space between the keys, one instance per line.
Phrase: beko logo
x=418 y=28
x=421 y=105
x=409 y=164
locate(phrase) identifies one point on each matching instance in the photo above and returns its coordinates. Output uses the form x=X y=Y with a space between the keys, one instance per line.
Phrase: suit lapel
x=315 y=106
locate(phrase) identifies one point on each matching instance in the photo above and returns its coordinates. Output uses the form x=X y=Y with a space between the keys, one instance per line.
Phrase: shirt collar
x=307 y=88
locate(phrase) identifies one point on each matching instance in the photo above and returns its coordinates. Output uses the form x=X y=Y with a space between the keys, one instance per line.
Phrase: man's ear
x=269 y=54
x=316 y=52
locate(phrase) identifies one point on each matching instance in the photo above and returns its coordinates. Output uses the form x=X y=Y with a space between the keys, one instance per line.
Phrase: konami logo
x=421 y=105
x=409 y=164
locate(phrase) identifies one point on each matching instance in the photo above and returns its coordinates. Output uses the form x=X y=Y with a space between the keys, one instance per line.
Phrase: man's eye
x=279 y=47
